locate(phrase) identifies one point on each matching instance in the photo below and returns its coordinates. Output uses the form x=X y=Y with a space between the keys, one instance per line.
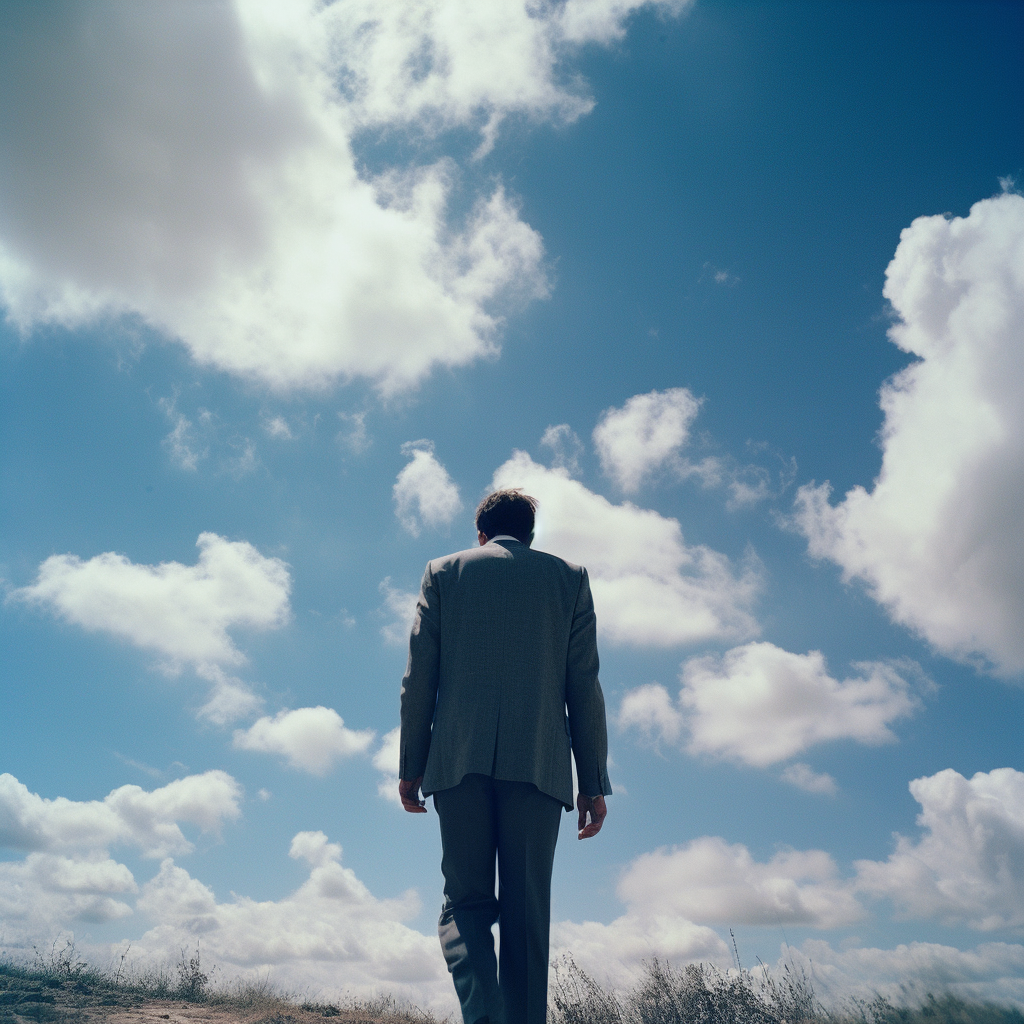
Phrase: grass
x=60 y=987
x=700 y=994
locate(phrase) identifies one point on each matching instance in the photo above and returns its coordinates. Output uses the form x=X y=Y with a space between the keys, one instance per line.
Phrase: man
x=501 y=681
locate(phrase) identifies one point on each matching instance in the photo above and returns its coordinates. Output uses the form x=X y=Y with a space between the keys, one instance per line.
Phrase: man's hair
x=509 y=511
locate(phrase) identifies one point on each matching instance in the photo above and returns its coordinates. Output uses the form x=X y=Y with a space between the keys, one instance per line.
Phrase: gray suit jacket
x=502 y=674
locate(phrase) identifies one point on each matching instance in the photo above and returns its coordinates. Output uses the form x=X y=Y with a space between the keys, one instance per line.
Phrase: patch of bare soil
x=167 y=1011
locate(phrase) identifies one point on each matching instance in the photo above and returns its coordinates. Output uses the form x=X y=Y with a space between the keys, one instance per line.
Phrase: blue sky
x=301 y=285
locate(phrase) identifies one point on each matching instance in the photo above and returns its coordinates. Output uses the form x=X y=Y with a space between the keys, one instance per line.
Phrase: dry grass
x=61 y=988
x=700 y=994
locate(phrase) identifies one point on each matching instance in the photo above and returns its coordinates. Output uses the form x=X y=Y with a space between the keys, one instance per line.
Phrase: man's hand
x=409 y=791
x=598 y=811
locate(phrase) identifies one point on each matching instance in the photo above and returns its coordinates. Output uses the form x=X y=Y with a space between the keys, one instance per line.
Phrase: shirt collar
x=504 y=536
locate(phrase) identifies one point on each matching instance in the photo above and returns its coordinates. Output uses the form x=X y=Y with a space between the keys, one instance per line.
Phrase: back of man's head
x=509 y=511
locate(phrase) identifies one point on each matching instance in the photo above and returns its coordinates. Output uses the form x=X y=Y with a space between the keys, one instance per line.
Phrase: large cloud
x=182 y=612
x=759 y=704
x=938 y=538
x=194 y=166
x=331 y=928
x=68 y=875
x=968 y=867
x=128 y=816
x=709 y=881
x=650 y=587
x=673 y=896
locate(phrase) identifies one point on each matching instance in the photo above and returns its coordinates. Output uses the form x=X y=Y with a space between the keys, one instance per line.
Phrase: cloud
x=424 y=493
x=991 y=972
x=198 y=169
x=937 y=539
x=645 y=435
x=386 y=762
x=804 y=777
x=311 y=739
x=759 y=705
x=673 y=896
x=45 y=893
x=128 y=816
x=566 y=447
x=968 y=867
x=332 y=918
x=277 y=427
x=401 y=606
x=709 y=881
x=229 y=700
x=650 y=709
x=355 y=440
x=650 y=587
x=181 y=443
x=182 y=612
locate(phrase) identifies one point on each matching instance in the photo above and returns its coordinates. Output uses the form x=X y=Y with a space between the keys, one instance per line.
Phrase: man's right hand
x=598 y=811
x=409 y=791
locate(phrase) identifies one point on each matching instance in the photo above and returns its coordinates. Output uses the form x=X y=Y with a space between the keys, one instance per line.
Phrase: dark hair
x=509 y=511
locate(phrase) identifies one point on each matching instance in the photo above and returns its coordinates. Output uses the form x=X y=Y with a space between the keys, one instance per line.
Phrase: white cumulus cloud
x=937 y=539
x=968 y=866
x=182 y=612
x=646 y=434
x=311 y=739
x=129 y=816
x=650 y=587
x=67 y=875
x=759 y=704
x=710 y=881
x=424 y=493
x=332 y=918
x=196 y=167
x=674 y=896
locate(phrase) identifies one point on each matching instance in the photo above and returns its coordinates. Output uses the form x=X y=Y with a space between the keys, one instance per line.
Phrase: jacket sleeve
x=584 y=700
x=419 y=685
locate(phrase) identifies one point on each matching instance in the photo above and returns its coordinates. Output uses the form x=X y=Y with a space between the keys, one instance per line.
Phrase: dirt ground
x=44 y=1000
x=170 y=1011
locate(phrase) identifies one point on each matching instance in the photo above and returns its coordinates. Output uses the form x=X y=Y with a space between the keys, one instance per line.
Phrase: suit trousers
x=482 y=818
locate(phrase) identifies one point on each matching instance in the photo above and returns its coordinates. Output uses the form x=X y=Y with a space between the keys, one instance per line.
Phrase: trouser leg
x=527 y=828
x=466 y=813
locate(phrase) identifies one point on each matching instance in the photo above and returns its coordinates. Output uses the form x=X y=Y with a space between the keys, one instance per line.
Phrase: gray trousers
x=482 y=818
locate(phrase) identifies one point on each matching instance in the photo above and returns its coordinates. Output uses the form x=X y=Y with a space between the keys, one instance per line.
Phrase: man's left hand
x=598 y=811
x=409 y=791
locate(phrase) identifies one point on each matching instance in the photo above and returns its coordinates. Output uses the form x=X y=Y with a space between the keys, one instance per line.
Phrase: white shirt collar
x=504 y=536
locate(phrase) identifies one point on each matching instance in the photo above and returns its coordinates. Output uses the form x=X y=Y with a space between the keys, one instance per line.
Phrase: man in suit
x=501 y=683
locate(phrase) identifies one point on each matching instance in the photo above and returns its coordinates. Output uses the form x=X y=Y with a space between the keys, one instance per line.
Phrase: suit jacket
x=502 y=674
